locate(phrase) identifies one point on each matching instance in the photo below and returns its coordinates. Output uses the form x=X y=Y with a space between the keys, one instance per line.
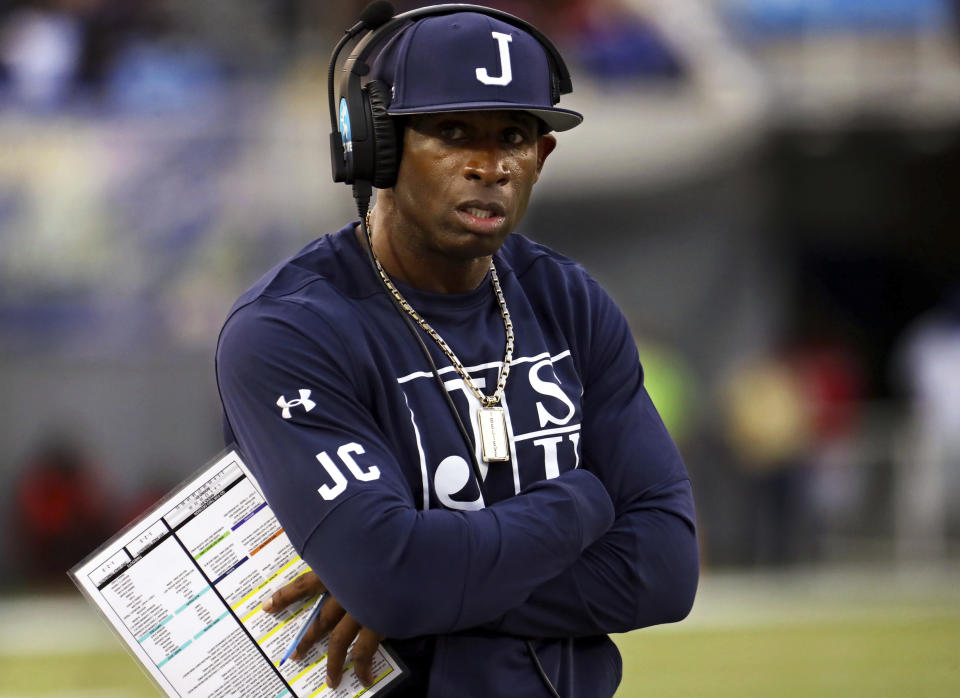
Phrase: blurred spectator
x=49 y=48
x=40 y=50
x=831 y=377
x=769 y=428
x=792 y=420
x=147 y=53
x=557 y=19
x=617 y=44
x=108 y=27
x=929 y=473
x=161 y=75
x=672 y=386
x=61 y=512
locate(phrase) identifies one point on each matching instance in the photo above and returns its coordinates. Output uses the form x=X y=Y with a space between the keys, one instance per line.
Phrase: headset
x=365 y=149
x=365 y=145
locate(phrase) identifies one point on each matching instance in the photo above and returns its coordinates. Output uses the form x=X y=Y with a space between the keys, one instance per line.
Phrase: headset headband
x=380 y=34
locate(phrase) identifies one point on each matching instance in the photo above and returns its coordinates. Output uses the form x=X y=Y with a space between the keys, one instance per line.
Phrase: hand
x=332 y=616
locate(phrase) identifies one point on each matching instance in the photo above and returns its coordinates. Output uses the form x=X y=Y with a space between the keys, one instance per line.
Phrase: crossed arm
x=641 y=571
x=393 y=582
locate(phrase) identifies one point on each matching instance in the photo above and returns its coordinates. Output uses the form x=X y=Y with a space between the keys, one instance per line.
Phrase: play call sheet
x=184 y=586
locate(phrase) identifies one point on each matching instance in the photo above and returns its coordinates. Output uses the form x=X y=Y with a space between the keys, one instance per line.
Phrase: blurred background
x=770 y=189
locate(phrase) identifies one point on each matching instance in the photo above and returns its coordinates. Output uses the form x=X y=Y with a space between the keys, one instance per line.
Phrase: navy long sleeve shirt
x=587 y=530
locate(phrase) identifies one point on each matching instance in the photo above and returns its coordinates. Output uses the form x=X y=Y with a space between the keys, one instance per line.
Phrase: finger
x=362 y=655
x=340 y=639
x=307 y=584
x=330 y=615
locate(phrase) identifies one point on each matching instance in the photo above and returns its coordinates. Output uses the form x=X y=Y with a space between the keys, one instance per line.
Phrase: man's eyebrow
x=443 y=121
x=435 y=121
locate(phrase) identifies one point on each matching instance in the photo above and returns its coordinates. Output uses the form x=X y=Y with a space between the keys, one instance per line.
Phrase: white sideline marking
x=727 y=601
x=56 y=625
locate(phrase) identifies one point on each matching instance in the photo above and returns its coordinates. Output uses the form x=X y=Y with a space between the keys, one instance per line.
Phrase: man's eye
x=514 y=137
x=452 y=133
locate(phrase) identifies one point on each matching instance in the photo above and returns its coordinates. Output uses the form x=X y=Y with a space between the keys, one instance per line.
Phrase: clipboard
x=182 y=587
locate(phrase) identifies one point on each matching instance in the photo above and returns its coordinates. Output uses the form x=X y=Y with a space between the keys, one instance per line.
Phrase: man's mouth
x=479 y=212
x=482 y=217
x=483 y=210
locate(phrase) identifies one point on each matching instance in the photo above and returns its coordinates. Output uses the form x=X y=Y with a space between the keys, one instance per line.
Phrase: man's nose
x=488 y=166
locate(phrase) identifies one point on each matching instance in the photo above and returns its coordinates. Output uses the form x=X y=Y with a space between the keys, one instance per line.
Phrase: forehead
x=497 y=118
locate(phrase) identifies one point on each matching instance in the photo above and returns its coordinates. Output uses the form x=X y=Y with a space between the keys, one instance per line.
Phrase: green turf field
x=911 y=658
x=747 y=637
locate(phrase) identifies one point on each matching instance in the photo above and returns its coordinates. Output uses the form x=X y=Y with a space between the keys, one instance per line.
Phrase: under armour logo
x=303 y=401
x=506 y=74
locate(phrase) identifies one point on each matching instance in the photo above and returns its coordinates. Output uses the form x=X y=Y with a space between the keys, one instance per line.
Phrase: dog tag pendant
x=493 y=434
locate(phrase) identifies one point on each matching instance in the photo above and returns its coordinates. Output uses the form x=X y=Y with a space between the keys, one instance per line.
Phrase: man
x=494 y=555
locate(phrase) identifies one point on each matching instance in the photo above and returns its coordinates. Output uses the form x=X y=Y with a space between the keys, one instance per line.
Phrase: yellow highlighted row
x=265 y=582
x=284 y=623
x=306 y=669
x=376 y=680
x=349 y=666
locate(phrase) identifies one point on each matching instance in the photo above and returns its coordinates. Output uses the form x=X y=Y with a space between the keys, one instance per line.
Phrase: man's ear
x=545 y=145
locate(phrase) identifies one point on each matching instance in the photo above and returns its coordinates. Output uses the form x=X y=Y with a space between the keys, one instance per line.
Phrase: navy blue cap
x=469 y=61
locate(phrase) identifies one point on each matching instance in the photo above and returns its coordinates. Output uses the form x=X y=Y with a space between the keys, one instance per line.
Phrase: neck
x=419 y=267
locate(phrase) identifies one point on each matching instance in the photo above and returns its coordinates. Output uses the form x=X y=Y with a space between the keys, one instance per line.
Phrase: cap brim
x=555 y=118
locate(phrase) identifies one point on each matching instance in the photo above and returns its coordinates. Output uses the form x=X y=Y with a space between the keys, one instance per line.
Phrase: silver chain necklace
x=493 y=426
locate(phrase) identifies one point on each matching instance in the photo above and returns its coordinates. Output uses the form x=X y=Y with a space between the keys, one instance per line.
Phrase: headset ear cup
x=385 y=147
